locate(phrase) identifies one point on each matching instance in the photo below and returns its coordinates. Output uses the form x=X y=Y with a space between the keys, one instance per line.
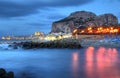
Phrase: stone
x=10 y=74
x=2 y=72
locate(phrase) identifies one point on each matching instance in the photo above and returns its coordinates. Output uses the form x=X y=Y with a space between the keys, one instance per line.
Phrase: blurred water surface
x=62 y=63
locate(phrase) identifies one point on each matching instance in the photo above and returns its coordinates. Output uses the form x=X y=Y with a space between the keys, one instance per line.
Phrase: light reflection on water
x=75 y=64
x=89 y=66
x=63 y=63
x=106 y=59
x=101 y=63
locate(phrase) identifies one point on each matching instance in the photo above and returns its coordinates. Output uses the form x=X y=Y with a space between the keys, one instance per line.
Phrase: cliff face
x=83 y=18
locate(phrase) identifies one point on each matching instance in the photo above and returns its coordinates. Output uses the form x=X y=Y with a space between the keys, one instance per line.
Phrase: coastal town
x=59 y=39
x=82 y=27
x=102 y=30
x=39 y=36
x=85 y=36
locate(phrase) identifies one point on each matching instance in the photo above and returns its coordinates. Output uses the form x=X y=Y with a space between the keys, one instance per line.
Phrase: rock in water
x=4 y=74
x=10 y=74
x=82 y=18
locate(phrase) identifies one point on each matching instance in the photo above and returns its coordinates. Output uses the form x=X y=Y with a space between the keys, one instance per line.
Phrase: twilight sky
x=24 y=17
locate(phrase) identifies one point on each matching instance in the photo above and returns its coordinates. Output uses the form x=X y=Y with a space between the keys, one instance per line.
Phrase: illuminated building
x=38 y=33
x=97 y=30
x=6 y=38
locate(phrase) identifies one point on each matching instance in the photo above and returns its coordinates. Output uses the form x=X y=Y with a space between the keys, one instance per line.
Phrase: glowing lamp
x=82 y=31
x=100 y=28
x=75 y=31
x=111 y=28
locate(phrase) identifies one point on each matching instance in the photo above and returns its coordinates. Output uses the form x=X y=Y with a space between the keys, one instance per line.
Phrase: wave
x=7 y=46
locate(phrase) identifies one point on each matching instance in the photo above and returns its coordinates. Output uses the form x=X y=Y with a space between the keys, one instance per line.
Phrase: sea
x=89 y=62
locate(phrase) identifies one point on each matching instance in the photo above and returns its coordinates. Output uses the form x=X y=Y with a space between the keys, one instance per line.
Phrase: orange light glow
x=75 y=63
x=75 y=31
x=89 y=59
x=75 y=56
x=82 y=31
x=90 y=31
x=105 y=58
x=89 y=28
x=111 y=31
x=98 y=30
x=115 y=30
x=99 y=62
x=107 y=29
x=111 y=28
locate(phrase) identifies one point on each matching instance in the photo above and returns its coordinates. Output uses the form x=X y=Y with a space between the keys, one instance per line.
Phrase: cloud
x=60 y=3
x=56 y=17
x=16 y=8
x=35 y=15
x=38 y=24
x=11 y=9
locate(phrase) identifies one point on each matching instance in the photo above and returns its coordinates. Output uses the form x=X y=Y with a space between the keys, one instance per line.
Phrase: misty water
x=62 y=63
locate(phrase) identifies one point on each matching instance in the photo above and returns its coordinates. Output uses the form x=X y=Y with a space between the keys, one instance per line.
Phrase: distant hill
x=83 y=18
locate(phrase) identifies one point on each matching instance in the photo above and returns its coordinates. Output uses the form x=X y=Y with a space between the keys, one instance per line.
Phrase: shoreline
x=98 y=43
x=60 y=44
x=74 y=43
x=69 y=43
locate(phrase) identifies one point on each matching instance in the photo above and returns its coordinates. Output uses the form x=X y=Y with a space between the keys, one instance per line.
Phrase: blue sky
x=24 y=17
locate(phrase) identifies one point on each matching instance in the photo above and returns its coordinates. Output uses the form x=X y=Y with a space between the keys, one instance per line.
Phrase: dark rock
x=13 y=46
x=64 y=43
x=10 y=74
x=4 y=74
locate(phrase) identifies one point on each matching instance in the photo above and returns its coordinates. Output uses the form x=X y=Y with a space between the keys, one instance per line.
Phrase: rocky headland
x=83 y=18
x=67 y=25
